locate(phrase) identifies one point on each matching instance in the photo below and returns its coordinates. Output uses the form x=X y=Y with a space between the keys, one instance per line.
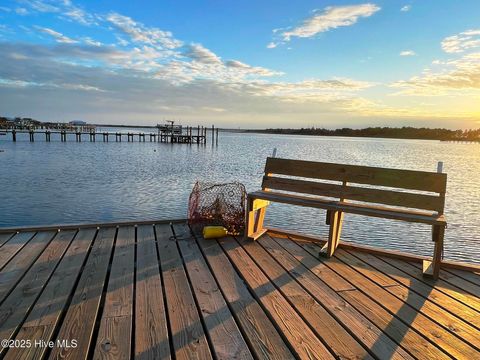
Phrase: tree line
x=405 y=132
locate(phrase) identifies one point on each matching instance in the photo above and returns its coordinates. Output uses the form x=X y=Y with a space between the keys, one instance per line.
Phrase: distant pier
x=174 y=134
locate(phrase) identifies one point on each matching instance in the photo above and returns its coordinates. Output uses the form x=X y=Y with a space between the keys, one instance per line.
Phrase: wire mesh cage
x=218 y=204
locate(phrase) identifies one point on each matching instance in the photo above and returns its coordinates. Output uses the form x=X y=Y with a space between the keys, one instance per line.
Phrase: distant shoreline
x=406 y=133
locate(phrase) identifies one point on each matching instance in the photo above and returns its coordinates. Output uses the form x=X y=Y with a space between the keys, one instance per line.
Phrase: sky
x=243 y=64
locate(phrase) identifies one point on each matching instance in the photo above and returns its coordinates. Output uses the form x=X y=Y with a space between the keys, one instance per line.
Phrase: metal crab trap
x=217 y=204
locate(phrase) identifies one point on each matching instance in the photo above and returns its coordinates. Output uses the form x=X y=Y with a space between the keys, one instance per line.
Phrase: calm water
x=51 y=183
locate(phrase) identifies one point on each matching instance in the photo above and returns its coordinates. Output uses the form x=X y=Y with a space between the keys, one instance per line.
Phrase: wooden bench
x=413 y=196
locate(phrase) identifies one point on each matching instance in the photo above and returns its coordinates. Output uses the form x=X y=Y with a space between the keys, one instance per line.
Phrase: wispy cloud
x=331 y=17
x=309 y=89
x=65 y=9
x=201 y=54
x=59 y=37
x=44 y=6
x=454 y=77
x=461 y=42
x=21 y=11
x=407 y=53
x=79 y=15
x=271 y=45
x=141 y=33
x=406 y=8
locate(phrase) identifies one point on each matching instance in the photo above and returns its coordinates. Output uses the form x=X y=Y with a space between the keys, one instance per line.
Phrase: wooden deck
x=146 y=292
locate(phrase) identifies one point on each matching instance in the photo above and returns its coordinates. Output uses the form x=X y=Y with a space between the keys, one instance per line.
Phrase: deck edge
x=87 y=225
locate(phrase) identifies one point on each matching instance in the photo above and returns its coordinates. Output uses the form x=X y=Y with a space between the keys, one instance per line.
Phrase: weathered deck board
x=45 y=315
x=401 y=274
x=144 y=292
x=21 y=262
x=453 y=286
x=151 y=334
x=80 y=318
x=189 y=339
x=336 y=338
x=225 y=336
x=381 y=332
x=300 y=336
x=444 y=339
x=115 y=333
x=17 y=305
x=473 y=277
x=13 y=245
x=5 y=237
x=264 y=339
x=421 y=304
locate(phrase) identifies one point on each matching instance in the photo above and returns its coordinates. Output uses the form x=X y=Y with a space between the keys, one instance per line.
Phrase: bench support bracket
x=432 y=268
x=335 y=220
x=256 y=209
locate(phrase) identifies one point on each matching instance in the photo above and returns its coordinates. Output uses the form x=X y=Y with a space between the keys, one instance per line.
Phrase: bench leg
x=339 y=228
x=250 y=221
x=255 y=218
x=335 y=222
x=432 y=268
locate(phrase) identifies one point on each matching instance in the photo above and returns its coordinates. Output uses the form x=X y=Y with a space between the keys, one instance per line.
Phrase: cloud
x=406 y=8
x=59 y=37
x=229 y=89
x=237 y=64
x=457 y=77
x=80 y=16
x=201 y=54
x=142 y=34
x=251 y=70
x=213 y=109
x=464 y=41
x=63 y=90
x=308 y=89
x=332 y=17
x=89 y=41
x=122 y=41
x=64 y=9
x=407 y=53
x=5 y=29
x=44 y=6
x=271 y=45
x=5 y=9
x=21 y=11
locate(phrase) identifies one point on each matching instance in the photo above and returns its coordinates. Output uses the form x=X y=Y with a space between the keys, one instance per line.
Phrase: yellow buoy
x=214 y=232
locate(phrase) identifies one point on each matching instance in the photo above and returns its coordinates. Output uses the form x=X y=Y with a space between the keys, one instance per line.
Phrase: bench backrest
x=345 y=183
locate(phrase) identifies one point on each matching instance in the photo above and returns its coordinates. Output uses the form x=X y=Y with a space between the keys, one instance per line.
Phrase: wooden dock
x=186 y=135
x=152 y=290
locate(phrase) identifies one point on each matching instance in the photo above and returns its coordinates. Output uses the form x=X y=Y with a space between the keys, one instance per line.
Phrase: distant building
x=78 y=123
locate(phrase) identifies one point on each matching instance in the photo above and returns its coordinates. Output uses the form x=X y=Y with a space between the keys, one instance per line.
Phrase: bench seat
x=360 y=209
